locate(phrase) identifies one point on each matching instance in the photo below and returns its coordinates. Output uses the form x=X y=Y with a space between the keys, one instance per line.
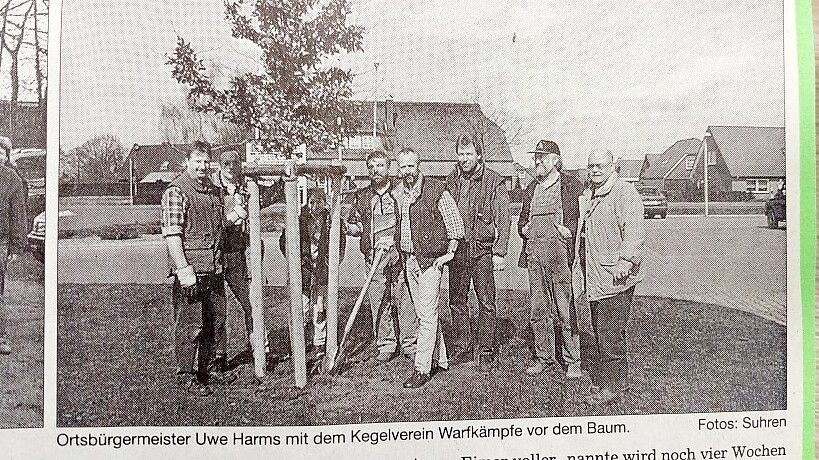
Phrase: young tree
x=298 y=94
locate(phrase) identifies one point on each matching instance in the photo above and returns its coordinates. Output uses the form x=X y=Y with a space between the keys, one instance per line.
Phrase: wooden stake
x=334 y=258
x=257 y=337
x=293 y=238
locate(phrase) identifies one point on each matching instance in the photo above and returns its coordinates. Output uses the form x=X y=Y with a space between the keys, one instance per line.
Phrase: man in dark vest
x=483 y=202
x=192 y=223
x=372 y=218
x=427 y=233
x=547 y=219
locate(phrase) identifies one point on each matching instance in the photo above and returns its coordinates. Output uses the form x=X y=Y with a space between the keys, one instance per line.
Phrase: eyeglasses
x=600 y=166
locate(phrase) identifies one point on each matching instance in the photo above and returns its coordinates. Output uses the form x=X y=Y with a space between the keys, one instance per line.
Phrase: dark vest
x=203 y=224
x=429 y=236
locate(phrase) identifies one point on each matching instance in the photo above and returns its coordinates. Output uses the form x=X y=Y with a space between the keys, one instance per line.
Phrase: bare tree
x=494 y=116
x=94 y=161
x=180 y=124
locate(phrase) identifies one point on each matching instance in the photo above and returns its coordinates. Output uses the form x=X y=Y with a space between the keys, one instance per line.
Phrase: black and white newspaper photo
x=23 y=89
x=461 y=229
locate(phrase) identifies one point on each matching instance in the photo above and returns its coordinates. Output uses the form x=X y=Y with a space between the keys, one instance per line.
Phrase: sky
x=632 y=77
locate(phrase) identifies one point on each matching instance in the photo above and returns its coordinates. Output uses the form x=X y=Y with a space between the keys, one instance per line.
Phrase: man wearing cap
x=483 y=202
x=372 y=218
x=233 y=244
x=427 y=233
x=12 y=228
x=606 y=268
x=542 y=225
x=192 y=222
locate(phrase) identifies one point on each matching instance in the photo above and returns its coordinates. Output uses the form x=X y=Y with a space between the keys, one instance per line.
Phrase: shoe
x=417 y=380
x=602 y=397
x=189 y=384
x=485 y=361
x=385 y=357
x=5 y=347
x=221 y=378
x=461 y=357
x=574 y=372
x=537 y=367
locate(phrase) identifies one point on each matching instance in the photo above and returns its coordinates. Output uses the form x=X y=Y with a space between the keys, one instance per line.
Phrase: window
x=366 y=142
x=757 y=185
x=355 y=142
x=712 y=159
x=689 y=162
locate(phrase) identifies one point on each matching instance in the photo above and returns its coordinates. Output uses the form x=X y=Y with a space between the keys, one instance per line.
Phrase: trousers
x=606 y=348
x=478 y=271
x=380 y=294
x=196 y=319
x=420 y=292
x=551 y=300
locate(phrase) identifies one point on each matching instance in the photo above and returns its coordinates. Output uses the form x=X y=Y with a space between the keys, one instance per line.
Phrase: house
x=672 y=171
x=753 y=159
x=629 y=170
x=429 y=128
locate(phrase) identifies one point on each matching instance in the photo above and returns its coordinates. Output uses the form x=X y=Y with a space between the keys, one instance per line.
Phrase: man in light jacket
x=607 y=266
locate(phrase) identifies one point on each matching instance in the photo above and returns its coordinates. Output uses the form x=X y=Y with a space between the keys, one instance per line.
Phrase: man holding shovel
x=372 y=218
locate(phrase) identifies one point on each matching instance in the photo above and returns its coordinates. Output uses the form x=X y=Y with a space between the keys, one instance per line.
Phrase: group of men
x=582 y=249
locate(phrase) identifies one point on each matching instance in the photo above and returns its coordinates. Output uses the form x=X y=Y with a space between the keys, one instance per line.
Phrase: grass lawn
x=115 y=367
x=21 y=396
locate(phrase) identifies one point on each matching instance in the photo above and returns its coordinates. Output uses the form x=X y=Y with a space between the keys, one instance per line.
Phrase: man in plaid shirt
x=429 y=228
x=192 y=223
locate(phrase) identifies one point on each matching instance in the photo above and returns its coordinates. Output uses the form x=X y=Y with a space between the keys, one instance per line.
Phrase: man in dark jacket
x=12 y=228
x=483 y=202
x=547 y=219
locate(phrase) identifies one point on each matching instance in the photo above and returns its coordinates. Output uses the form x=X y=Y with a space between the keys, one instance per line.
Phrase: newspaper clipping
x=462 y=230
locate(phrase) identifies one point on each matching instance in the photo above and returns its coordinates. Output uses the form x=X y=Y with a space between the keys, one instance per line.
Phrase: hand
x=563 y=231
x=525 y=229
x=498 y=263
x=186 y=276
x=443 y=260
x=13 y=257
x=622 y=271
x=352 y=229
x=384 y=243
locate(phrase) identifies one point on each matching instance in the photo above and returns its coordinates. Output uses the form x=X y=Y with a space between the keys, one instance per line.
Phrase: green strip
x=807 y=213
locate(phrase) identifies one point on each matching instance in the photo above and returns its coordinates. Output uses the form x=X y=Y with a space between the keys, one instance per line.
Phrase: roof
x=660 y=166
x=429 y=128
x=629 y=168
x=751 y=151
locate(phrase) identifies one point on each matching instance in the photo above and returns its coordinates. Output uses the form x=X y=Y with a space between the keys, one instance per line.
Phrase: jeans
x=551 y=300
x=478 y=271
x=606 y=350
x=196 y=321
x=421 y=292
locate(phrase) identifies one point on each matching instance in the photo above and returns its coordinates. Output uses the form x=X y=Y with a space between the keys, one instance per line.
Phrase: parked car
x=654 y=202
x=36 y=237
x=775 y=208
x=30 y=164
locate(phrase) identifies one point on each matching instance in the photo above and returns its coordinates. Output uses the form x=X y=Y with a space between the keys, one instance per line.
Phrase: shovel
x=379 y=253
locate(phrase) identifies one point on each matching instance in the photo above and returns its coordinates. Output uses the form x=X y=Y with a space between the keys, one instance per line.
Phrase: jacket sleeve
x=632 y=225
x=502 y=220
x=17 y=224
